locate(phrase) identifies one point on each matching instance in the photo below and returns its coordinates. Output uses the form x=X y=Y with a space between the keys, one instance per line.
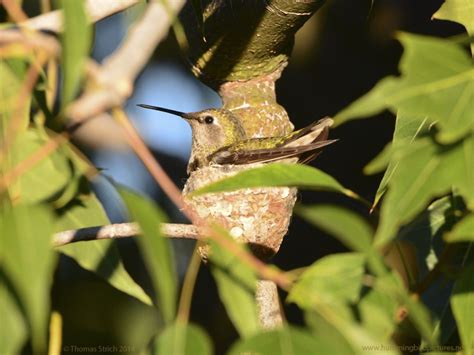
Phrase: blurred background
x=338 y=56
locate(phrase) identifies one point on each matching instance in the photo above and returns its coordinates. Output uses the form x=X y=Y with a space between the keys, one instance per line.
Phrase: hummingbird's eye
x=209 y=119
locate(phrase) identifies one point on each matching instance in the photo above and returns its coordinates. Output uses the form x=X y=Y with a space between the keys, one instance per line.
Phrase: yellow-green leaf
x=463 y=231
x=156 y=250
x=437 y=82
x=276 y=174
x=462 y=303
x=102 y=256
x=28 y=261
x=461 y=11
x=76 y=41
x=236 y=284
x=183 y=339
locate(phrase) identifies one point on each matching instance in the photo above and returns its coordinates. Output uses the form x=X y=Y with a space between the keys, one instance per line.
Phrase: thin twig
x=117 y=74
x=189 y=282
x=14 y=10
x=34 y=158
x=122 y=230
x=32 y=41
x=97 y=10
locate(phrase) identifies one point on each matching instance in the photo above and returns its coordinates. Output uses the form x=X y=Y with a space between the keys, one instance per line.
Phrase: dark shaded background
x=339 y=55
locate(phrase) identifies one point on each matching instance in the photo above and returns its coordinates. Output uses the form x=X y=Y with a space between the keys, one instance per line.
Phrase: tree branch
x=122 y=230
x=117 y=74
x=97 y=10
x=243 y=40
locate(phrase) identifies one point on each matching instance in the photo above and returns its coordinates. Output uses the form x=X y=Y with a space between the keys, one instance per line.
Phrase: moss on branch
x=242 y=40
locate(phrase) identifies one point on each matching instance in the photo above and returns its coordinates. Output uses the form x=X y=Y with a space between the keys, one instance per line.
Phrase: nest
x=257 y=216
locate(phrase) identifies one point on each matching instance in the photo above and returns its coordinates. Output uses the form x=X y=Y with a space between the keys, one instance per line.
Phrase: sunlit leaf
x=29 y=263
x=348 y=227
x=437 y=81
x=183 y=339
x=426 y=170
x=424 y=236
x=391 y=285
x=286 y=341
x=407 y=128
x=377 y=310
x=461 y=11
x=462 y=303
x=14 y=335
x=334 y=279
x=463 y=231
x=236 y=284
x=13 y=73
x=277 y=175
x=40 y=180
x=156 y=250
x=327 y=334
x=76 y=41
x=101 y=257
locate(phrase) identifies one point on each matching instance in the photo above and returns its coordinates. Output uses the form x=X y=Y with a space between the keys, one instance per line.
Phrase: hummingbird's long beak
x=167 y=110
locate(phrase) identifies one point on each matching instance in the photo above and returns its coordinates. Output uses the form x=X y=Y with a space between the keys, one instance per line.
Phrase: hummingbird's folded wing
x=237 y=157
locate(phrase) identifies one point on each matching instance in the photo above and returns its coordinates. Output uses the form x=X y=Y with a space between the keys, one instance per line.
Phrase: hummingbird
x=219 y=138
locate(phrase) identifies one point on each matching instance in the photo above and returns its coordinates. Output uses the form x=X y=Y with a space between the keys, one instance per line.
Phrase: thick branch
x=122 y=230
x=242 y=40
x=97 y=10
x=120 y=69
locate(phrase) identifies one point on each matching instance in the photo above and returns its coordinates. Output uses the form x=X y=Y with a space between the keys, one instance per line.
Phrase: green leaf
x=463 y=231
x=102 y=256
x=13 y=73
x=425 y=237
x=462 y=303
x=76 y=42
x=277 y=175
x=407 y=128
x=461 y=11
x=286 y=341
x=43 y=180
x=236 y=284
x=347 y=226
x=327 y=334
x=391 y=285
x=376 y=310
x=13 y=336
x=437 y=81
x=156 y=250
x=182 y=339
x=332 y=280
x=340 y=316
x=426 y=170
x=28 y=262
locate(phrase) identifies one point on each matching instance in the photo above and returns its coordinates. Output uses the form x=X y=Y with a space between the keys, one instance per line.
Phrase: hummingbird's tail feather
x=266 y=155
x=315 y=132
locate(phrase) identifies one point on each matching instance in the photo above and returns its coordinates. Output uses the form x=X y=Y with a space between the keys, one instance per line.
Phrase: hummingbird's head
x=215 y=128
x=212 y=128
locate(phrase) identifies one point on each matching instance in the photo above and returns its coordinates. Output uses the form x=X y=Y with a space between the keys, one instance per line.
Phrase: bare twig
x=119 y=71
x=122 y=230
x=35 y=40
x=14 y=10
x=97 y=10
